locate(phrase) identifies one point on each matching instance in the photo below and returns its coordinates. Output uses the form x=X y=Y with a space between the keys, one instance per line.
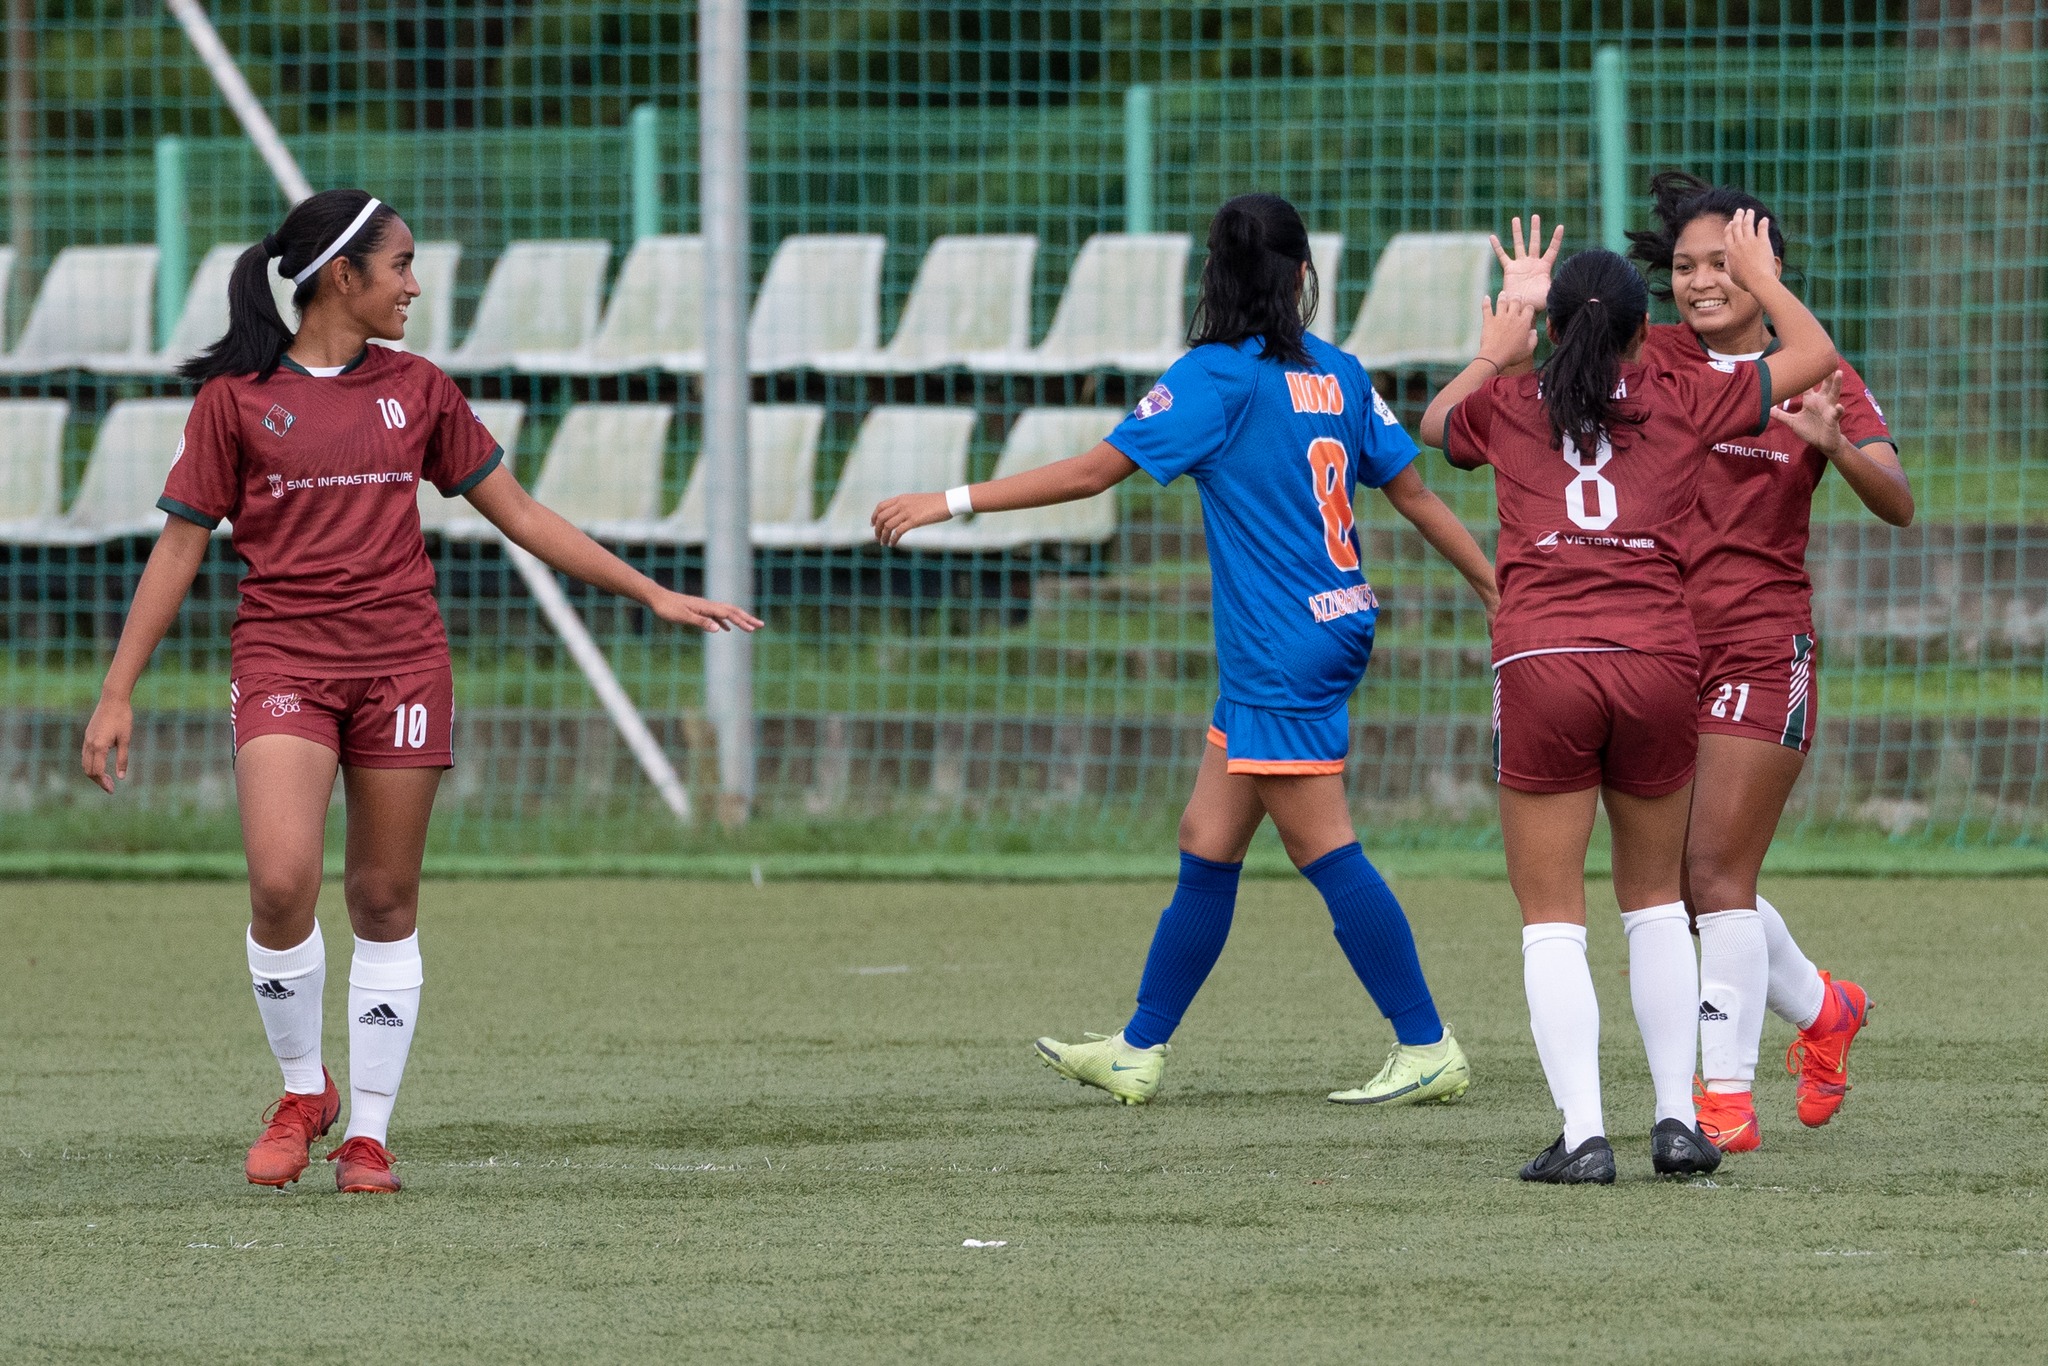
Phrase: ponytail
x=1252 y=284
x=258 y=336
x=1597 y=303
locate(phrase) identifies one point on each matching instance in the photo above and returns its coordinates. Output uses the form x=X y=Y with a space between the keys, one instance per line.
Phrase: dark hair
x=1252 y=284
x=1597 y=301
x=1677 y=198
x=257 y=336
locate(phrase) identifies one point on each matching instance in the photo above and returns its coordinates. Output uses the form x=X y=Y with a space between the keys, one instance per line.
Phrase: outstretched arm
x=1101 y=467
x=546 y=535
x=1445 y=533
x=1507 y=342
x=165 y=581
x=1526 y=275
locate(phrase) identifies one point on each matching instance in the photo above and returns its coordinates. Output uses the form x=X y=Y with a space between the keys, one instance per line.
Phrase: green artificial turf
x=674 y=1121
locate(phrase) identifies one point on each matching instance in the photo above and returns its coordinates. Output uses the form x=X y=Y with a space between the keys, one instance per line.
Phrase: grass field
x=710 y=1121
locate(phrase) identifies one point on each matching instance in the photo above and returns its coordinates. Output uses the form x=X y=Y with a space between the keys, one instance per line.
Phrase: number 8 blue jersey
x=1276 y=451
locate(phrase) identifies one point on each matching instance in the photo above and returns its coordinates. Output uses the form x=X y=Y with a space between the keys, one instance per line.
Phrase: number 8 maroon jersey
x=1593 y=544
x=320 y=476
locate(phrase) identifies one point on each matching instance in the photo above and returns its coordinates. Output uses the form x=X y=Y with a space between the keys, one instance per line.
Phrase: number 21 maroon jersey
x=320 y=476
x=1593 y=543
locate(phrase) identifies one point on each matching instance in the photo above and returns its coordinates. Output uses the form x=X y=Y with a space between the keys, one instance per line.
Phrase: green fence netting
x=1049 y=695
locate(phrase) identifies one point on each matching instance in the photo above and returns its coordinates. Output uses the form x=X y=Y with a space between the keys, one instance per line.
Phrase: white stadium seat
x=1124 y=308
x=782 y=464
x=94 y=301
x=31 y=466
x=1040 y=436
x=541 y=296
x=204 y=321
x=972 y=293
x=655 y=317
x=603 y=467
x=822 y=295
x=1422 y=307
x=131 y=457
x=454 y=517
x=1326 y=250
x=6 y=280
x=898 y=449
x=430 y=330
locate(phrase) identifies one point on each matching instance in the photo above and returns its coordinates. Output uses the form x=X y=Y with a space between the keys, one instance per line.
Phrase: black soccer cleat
x=1678 y=1149
x=1589 y=1164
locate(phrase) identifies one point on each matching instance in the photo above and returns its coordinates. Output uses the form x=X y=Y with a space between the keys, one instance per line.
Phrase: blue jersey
x=1276 y=451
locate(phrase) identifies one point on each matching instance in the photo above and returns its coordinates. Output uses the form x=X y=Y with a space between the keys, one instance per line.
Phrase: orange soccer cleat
x=1819 y=1057
x=363 y=1165
x=290 y=1126
x=1728 y=1118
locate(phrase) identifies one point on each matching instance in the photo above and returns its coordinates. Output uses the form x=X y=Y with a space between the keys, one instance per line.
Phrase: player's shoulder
x=403 y=367
x=1669 y=344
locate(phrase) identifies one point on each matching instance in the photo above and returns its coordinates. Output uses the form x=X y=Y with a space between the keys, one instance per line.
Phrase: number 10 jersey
x=1593 y=545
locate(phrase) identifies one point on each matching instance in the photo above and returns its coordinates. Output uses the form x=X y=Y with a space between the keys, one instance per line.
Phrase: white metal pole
x=255 y=122
x=728 y=552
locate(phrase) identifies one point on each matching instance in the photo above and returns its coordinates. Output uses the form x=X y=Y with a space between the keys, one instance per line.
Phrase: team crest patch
x=1379 y=405
x=1872 y=400
x=281 y=703
x=278 y=420
x=1158 y=401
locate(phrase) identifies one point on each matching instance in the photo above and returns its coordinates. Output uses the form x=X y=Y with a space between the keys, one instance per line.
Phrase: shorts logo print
x=277 y=421
x=281 y=703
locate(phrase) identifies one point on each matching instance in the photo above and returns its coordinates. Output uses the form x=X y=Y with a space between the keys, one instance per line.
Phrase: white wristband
x=958 y=504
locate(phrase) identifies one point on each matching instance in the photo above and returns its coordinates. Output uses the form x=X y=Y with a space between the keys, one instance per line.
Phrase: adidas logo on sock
x=380 y=1015
x=274 y=991
x=1710 y=1011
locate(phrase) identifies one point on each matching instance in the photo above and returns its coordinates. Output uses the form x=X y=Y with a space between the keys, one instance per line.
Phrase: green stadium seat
x=1326 y=250
x=782 y=465
x=1124 y=308
x=541 y=297
x=1422 y=307
x=821 y=296
x=131 y=457
x=972 y=293
x=31 y=466
x=899 y=449
x=1040 y=436
x=94 y=301
x=655 y=318
x=453 y=517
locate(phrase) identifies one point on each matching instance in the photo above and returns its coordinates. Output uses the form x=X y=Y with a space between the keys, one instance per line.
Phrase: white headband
x=346 y=233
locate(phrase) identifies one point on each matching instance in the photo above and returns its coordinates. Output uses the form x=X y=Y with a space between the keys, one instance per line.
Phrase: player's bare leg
x=1224 y=811
x=388 y=811
x=282 y=785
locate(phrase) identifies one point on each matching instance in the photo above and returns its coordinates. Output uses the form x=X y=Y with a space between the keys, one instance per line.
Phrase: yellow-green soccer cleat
x=1130 y=1074
x=1429 y=1074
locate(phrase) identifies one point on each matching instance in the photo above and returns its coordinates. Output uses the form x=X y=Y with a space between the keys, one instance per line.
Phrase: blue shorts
x=1254 y=740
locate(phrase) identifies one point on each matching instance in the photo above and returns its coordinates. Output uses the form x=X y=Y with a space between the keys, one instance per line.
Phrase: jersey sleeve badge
x=1379 y=405
x=1154 y=403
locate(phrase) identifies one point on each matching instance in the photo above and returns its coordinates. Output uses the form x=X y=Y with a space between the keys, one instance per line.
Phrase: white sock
x=1664 y=986
x=383 y=1005
x=288 y=986
x=1564 y=1016
x=1797 y=993
x=1735 y=974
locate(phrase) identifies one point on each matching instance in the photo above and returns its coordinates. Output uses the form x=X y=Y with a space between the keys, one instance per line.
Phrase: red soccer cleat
x=363 y=1165
x=1819 y=1057
x=279 y=1156
x=1728 y=1118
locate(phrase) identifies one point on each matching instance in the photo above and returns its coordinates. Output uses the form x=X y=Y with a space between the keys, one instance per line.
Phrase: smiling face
x=1727 y=317
x=375 y=301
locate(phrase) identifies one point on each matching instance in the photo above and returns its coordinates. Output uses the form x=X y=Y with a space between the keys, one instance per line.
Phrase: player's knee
x=1717 y=881
x=378 y=900
x=282 y=893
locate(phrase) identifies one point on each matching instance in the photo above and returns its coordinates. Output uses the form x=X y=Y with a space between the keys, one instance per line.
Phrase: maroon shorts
x=399 y=721
x=1621 y=719
x=1762 y=689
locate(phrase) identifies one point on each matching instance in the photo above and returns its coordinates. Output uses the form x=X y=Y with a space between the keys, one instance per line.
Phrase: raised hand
x=1507 y=333
x=1524 y=276
x=907 y=512
x=702 y=613
x=1815 y=416
x=1748 y=241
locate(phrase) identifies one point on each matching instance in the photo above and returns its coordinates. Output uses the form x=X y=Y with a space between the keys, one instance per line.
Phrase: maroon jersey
x=1593 y=543
x=320 y=476
x=1747 y=576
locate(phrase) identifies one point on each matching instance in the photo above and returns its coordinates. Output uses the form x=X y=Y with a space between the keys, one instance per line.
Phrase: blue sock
x=1375 y=937
x=1186 y=945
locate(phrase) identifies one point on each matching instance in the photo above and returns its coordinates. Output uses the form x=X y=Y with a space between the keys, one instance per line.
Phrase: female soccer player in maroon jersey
x=1596 y=465
x=1753 y=611
x=313 y=443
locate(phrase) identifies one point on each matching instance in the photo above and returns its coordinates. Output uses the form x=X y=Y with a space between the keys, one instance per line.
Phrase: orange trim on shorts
x=1292 y=768
x=1218 y=738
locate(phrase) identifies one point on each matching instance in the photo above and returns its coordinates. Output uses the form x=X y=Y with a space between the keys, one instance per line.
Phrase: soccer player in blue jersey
x=1277 y=428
